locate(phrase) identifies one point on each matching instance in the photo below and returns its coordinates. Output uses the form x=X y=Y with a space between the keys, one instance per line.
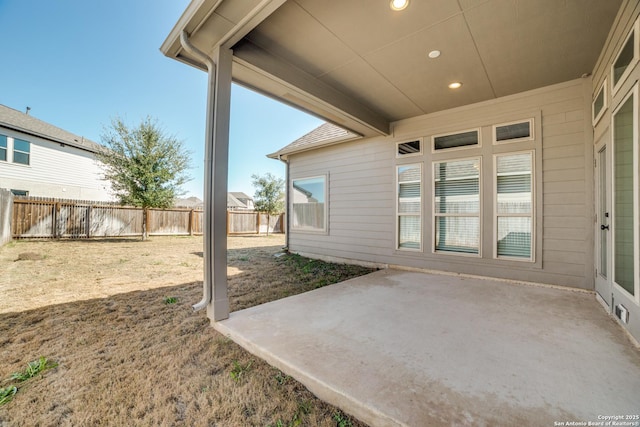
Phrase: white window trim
x=596 y=118
x=636 y=202
x=398 y=214
x=325 y=229
x=480 y=214
x=6 y=149
x=531 y=137
x=531 y=215
x=404 y=156
x=453 y=149
x=635 y=30
x=14 y=150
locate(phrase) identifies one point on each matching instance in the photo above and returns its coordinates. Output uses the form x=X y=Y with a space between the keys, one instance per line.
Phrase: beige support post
x=218 y=309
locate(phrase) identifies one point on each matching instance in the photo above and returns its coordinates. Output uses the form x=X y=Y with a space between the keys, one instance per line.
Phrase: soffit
x=379 y=57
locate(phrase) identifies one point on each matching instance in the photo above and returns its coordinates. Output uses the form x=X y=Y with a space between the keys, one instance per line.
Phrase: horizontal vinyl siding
x=362 y=190
x=361 y=201
x=54 y=171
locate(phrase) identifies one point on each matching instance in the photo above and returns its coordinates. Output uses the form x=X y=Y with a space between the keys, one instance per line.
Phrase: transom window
x=627 y=56
x=456 y=140
x=308 y=207
x=457 y=206
x=21 y=151
x=409 y=148
x=599 y=103
x=512 y=132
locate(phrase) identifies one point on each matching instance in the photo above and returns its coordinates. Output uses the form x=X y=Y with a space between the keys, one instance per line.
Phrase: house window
x=3 y=148
x=409 y=148
x=457 y=206
x=21 y=151
x=456 y=140
x=512 y=132
x=625 y=213
x=19 y=192
x=514 y=205
x=599 y=104
x=308 y=204
x=410 y=206
x=627 y=56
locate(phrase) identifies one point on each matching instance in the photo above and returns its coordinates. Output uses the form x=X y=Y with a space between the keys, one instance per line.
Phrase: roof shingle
x=324 y=134
x=21 y=122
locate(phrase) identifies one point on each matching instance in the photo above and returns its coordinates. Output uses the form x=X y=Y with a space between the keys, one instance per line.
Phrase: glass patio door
x=603 y=259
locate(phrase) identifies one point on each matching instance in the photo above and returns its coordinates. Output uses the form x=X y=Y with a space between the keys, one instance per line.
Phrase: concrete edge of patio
x=353 y=345
x=321 y=389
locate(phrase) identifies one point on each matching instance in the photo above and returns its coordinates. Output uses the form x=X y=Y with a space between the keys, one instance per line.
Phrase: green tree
x=269 y=195
x=146 y=167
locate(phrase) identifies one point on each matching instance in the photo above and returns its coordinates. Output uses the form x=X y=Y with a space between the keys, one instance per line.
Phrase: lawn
x=115 y=316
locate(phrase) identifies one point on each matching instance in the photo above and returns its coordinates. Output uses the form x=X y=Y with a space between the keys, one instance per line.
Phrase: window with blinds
x=409 y=206
x=514 y=205
x=457 y=206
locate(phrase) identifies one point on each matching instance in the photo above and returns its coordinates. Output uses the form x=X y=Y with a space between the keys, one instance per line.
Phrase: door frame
x=603 y=217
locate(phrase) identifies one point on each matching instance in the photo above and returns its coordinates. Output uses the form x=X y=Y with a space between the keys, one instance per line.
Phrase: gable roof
x=323 y=135
x=233 y=202
x=21 y=122
x=240 y=195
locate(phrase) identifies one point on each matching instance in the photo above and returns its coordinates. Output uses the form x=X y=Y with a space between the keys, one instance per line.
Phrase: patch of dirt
x=129 y=357
x=29 y=256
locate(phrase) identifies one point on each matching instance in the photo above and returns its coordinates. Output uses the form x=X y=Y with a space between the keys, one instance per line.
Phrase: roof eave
x=50 y=138
x=284 y=153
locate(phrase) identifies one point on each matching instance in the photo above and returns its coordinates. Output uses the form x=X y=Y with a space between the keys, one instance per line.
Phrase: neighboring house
x=235 y=202
x=189 y=202
x=241 y=201
x=39 y=159
x=493 y=138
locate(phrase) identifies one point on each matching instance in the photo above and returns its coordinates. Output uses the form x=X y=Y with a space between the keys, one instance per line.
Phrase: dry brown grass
x=128 y=358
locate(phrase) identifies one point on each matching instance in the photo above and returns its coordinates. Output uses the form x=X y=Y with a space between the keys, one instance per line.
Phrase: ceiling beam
x=256 y=68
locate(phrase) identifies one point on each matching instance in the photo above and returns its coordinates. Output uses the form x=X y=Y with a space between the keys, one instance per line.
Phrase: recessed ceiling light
x=455 y=85
x=399 y=4
x=434 y=54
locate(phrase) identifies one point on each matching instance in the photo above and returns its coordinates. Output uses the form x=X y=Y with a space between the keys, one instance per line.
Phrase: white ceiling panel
x=368 y=25
x=361 y=81
x=407 y=66
x=297 y=37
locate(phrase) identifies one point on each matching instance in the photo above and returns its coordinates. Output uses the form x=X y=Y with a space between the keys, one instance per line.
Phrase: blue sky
x=78 y=64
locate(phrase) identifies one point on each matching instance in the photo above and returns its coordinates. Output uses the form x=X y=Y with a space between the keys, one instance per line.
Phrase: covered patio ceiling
x=361 y=65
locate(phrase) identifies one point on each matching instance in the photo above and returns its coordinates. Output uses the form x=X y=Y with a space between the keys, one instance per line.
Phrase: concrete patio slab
x=407 y=348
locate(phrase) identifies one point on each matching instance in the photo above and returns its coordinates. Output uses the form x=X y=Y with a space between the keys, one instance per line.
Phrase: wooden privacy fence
x=53 y=218
x=239 y=222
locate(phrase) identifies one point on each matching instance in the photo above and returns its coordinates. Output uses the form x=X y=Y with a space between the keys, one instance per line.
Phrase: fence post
x=56 y=212
x=258 y=223
x=88 y=221
x=145 y=223
x=191 y=222
x=282 y=223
